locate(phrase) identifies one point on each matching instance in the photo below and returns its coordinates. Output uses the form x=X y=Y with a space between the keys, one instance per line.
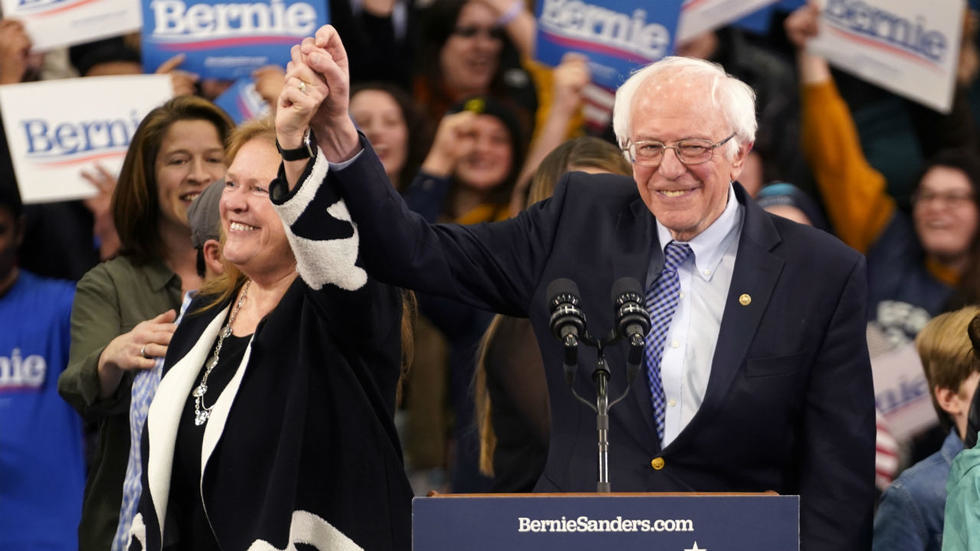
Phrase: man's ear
x=212 y=257
x=949 y=400
x=738 y=163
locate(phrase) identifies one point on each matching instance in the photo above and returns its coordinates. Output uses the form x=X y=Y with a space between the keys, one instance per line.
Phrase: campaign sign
x=242 y=102
x=790 y=5
x=907 y=46
x=902 y=393
x=227 y=40
x=53 y=23
x=56 y=128
x=701 y=16
x=617 y=36
x=756 y=22
x=624 y=522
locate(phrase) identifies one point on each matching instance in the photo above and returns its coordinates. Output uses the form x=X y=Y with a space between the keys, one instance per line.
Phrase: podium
x=619 y=521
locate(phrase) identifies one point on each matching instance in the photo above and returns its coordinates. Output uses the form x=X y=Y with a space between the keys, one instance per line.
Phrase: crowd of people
x=275 y=330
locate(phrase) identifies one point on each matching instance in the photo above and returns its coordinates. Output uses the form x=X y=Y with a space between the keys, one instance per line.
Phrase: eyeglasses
x=470 y=31
x=691 y=151
x=949 y=199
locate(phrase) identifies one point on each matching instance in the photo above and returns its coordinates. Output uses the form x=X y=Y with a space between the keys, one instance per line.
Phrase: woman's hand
x=570 y=78
x=15 y=46
x=137 y=349
x=802 y=25
x=269 y=82
x=453 y=141
x=302 y=94
x=100 y=206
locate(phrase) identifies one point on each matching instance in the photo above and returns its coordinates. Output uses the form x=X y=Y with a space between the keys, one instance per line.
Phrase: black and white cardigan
x=300 y=447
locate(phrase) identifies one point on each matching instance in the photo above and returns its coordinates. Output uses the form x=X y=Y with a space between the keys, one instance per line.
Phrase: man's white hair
x=734 y=98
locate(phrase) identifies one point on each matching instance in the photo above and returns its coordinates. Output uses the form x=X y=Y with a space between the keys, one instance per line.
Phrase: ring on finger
x=302 y=86
x=143 y=351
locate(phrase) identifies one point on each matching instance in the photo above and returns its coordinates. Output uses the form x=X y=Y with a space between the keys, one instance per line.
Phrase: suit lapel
x=636 y=234
x=756 y=272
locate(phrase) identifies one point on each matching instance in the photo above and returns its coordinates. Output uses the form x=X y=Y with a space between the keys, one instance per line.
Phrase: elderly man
x=757 y=369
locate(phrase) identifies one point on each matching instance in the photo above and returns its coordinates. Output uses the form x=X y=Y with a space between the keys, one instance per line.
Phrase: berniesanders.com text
x=619 y=524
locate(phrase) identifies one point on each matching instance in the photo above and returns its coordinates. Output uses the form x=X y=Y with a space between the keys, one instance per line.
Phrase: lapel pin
x=744 y=299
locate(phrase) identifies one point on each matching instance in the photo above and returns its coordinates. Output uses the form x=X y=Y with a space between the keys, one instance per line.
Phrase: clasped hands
x=316 y=95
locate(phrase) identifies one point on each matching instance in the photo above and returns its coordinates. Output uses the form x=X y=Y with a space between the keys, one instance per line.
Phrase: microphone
x=632 y=318
x=567 y=319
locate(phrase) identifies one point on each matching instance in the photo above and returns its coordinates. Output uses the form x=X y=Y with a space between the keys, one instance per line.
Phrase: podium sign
x=625 y=522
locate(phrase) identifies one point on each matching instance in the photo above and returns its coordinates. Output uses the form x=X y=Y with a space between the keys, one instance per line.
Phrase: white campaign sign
x=907 y=46
x=902 y=393
x=53 y=23
x=56 y=128
x=699 y=16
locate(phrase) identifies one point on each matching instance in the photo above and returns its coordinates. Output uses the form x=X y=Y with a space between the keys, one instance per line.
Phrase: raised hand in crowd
x=518 y=21
x=15 y=47
x=137 y=349
x=100 y=205
x=182 y=81
x=269 y=81
x=801 y=26
x=453 y=141
x=570 y=78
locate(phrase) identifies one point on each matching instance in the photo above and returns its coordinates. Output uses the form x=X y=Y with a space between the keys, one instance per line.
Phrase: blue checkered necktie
x=661 y=301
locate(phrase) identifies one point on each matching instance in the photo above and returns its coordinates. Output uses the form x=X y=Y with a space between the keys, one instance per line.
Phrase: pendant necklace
x=202 y=412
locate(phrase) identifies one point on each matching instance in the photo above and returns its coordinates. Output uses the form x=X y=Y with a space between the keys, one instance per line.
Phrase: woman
x=124 y=308
x=394 y=127
x=465 y=51
x=510 y=390
x=274 y=419
x=919 y=264
x=467 y=177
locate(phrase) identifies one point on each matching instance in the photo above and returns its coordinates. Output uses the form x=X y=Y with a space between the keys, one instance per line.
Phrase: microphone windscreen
x=561 y=286
x=625 y=285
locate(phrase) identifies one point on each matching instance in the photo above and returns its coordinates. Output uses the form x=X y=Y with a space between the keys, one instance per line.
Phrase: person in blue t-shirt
x=42 y=465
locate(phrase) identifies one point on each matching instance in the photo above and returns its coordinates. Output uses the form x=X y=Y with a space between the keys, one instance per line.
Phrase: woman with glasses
x=465 y=51
x=918 y=265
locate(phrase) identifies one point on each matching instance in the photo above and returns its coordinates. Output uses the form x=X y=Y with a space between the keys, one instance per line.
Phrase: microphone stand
x=600 y=377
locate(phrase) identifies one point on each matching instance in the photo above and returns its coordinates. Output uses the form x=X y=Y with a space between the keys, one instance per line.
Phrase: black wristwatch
x=304 y=151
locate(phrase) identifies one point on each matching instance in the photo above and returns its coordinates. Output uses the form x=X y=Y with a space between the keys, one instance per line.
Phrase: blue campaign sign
x=624 y=522
x=756 y=22
x=790 y=5
x=618 y=36
x=242 y=102
x=225 y=40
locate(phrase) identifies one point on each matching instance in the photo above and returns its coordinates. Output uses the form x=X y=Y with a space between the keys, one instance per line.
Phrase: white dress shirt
x=693 y=334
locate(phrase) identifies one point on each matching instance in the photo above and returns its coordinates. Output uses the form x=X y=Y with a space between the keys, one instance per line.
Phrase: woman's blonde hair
x=224 y=286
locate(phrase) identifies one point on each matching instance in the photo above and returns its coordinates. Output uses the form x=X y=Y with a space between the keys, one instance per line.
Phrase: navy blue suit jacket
x=789 y=404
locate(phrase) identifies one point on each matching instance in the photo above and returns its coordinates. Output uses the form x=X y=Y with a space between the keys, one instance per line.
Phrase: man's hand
x=335 y=131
